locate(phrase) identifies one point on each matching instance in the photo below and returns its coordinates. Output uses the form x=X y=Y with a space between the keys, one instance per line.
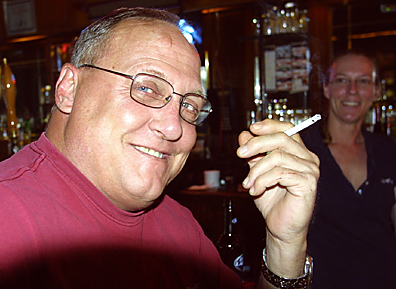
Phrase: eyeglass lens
x=156 y=92
x=360 y=82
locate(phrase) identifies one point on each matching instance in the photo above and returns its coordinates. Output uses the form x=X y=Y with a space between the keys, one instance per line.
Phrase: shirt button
x=367 y=183
x=360 y=191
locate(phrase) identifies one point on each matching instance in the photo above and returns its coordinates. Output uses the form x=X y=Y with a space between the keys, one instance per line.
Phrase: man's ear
x=66 y=88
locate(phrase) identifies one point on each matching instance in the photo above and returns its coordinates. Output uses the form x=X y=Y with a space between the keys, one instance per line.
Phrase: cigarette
x=304 y=124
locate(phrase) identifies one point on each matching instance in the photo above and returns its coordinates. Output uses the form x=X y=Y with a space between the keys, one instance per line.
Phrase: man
x=83 y=207
x=352 y=234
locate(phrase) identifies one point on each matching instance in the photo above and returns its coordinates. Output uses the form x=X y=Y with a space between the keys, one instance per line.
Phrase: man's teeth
x=150 y=152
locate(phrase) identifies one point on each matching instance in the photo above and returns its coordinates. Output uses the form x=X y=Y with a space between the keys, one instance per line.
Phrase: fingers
x=275 y=158
x=259 y=139
x=244 y=137
x=267 y=126
x=282 y=168
x=266 y=143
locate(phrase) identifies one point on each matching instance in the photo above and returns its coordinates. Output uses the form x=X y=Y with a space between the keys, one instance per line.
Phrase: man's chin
x=148 y=201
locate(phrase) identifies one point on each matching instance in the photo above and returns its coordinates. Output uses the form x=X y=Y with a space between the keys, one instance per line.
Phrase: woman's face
x=351 y=88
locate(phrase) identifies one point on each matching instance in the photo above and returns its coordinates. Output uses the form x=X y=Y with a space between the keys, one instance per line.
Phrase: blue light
x=189 y=37
x=192 y=35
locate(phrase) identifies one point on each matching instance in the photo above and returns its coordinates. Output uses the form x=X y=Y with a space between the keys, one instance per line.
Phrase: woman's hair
x=92 y=41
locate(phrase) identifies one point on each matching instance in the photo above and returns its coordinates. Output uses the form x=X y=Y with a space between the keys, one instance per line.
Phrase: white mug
x=212 y=178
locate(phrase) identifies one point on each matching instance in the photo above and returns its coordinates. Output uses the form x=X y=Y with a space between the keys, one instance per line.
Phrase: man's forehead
x=139 y=34
x=157 y=28
x=147 y=44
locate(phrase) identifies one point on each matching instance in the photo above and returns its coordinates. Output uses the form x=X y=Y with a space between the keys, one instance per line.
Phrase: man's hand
x=283 y=177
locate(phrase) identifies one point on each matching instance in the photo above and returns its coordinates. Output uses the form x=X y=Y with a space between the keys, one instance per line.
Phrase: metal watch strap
x=280 y=282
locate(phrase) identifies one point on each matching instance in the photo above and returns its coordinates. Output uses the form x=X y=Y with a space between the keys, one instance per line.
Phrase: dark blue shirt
x=351 y=236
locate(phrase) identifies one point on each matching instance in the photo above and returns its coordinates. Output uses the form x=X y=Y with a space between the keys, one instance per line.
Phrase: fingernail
x=257 y=125
x=245 y=182
x=251 y=191
x=243 y=149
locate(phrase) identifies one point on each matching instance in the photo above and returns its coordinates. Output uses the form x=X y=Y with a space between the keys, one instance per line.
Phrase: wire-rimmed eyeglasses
x=361 y=83
x=153 y=91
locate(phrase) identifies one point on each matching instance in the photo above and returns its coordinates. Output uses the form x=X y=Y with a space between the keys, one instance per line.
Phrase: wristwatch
x=280 y=282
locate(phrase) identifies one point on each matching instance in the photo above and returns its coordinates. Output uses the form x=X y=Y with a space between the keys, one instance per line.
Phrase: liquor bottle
x=231 y=248
x=380 y=107
x=304 y=21
x=9 y=94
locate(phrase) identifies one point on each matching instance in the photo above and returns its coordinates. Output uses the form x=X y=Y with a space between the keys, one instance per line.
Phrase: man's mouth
x=150 y=152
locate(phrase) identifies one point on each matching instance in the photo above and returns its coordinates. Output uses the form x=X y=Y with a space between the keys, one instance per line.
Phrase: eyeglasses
x=156 y=92
x=360 y=83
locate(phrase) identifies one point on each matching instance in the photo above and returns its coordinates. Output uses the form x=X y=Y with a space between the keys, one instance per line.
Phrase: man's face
x=112 y=139
x=351 y=88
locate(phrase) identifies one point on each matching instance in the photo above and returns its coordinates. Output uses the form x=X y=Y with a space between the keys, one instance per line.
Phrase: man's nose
x=166 y=121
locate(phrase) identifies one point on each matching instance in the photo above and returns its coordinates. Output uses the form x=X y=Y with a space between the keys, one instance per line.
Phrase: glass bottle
x=303 y=21
x=9 y=95
x=293 y=12
x=231 y=248
x=283 y=22
x=228 y=245
x=380 y=111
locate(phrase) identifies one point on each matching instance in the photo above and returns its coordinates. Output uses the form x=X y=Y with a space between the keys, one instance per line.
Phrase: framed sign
x=19 y=17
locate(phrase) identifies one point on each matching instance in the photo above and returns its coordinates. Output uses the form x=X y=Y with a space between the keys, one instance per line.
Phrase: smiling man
x=83 y=207
x=353 y=235
x=136 y=150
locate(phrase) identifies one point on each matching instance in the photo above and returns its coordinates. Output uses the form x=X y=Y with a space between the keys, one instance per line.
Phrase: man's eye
x=190 y=107
x=146 y=89
x=147 y=86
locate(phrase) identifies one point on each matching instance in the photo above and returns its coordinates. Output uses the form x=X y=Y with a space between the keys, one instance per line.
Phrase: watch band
x=280 y=282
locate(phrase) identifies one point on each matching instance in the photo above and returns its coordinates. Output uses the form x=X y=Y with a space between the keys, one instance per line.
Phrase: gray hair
x=92 y=40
